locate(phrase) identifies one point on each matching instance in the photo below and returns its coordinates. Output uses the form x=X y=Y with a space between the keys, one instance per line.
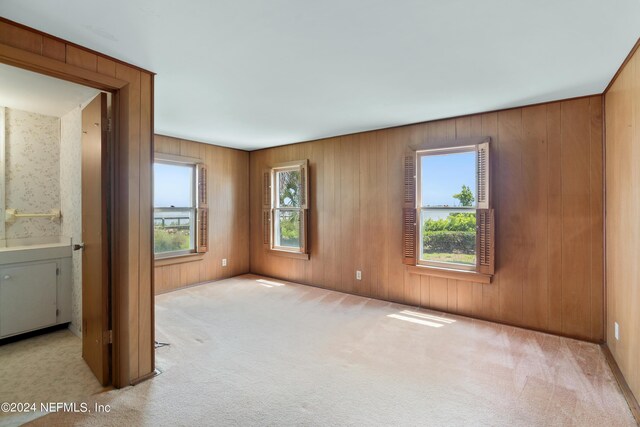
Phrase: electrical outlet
x=616 y=330
x=358 y=275
x=224 y=262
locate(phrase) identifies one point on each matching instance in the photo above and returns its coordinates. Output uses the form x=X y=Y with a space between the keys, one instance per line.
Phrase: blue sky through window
x=172 y=185
x=443 y=175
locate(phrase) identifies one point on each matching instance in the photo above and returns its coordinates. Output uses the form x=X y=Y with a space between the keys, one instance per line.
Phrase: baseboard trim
x=191 y=285
x=441 y=310
x=622 y=382
x=145 y=377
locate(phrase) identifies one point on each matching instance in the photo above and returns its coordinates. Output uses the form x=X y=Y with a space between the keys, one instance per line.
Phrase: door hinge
x=107 y=337
x=57 y=271
x=109 y=127
x=57 y=312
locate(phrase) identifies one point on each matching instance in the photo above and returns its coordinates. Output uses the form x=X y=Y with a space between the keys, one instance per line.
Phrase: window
x=285 y=207
x=447 y=220
x=179 y=208
x=447 y=207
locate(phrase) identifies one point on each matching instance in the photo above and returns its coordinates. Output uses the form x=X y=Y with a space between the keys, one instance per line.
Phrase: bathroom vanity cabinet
x=35 y=287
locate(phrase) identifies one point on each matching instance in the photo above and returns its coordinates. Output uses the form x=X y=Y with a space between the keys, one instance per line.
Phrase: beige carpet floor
x=256 y=351
x=44 y=368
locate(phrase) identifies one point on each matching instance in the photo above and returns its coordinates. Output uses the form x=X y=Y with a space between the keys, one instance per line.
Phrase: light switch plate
x=616 y=330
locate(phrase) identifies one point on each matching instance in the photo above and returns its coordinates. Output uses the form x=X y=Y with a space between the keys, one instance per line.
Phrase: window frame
x=193 y=230
x=271 y=208
x=275 y=209
x=420 y=208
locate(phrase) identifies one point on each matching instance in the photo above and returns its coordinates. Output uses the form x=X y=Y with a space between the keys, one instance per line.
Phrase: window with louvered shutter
x=266 y=189
x=455 y=223
x=266 y=208
x=409 y=220
x=485 y=216
x=286 y=207
x=485 y=248
x=483 y=181
x=266 y=228
x=203 y=209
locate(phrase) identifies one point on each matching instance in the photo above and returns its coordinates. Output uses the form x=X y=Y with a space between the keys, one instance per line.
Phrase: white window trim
x=420 y=208
x=275 y=208
x=192 y=162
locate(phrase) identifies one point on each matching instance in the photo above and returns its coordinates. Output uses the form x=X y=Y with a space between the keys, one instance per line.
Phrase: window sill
x=450 y=273
x=178 y=259
x=287 y=254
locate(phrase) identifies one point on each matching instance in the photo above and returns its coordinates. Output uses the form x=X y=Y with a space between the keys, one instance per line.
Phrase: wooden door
x=95 y=252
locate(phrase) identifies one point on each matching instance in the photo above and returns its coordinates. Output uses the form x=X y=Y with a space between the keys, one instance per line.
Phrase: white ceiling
x=27 y=91
x=254 y=73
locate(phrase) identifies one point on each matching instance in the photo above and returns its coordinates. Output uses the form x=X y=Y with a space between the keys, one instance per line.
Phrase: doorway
x=55 y=237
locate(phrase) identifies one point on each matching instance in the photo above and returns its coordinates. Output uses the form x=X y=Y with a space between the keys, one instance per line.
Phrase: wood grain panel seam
x=151 y=243
x=140 y=246
x=520 y=170
x=548 y=208
x=591 y=220
x=604 y=216
x=561 y=217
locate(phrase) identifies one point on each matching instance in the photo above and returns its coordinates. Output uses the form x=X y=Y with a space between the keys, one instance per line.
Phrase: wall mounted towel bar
x=10 y=215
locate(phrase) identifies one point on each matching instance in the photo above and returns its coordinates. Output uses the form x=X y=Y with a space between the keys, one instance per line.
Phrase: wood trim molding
x=43 y=65
x=624 y=63
x=287 y=254
x=450 y=143
x=179 y=259
x=284 y=165
x=146 y=377
x=177 y=159
x=76 y=46
x=470 y=276
x=634 y=406
x=191 y=285
x=604 y=214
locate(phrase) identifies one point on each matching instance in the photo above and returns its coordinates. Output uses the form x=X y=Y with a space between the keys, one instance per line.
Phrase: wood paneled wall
x=132 y=261
x=547 y=192
x=622 y=106
x=228 y=189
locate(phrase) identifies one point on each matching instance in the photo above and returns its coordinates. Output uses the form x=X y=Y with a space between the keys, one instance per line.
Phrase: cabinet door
x=27 y=298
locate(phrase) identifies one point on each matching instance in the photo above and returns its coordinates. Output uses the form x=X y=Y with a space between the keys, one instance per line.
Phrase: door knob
x=6 y=277
x=77 y=247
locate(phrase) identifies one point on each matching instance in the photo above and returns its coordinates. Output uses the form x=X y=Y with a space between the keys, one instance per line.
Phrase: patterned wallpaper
x=2 y=174
x=42 y=172
x=32 y=172
x=71 y=203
